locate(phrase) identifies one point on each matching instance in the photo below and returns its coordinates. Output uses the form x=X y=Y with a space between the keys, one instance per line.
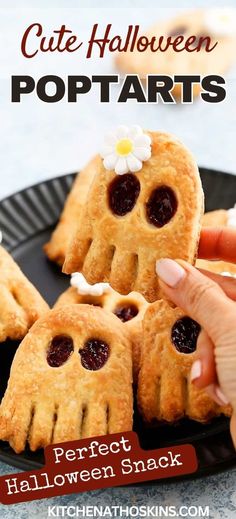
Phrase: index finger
x=218 y=243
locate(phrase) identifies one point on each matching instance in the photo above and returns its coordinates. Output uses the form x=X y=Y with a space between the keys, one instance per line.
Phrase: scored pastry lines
x=122 y=247
x=165 y=392
x=45 y=404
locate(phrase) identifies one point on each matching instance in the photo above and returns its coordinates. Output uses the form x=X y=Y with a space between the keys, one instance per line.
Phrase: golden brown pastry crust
x=20 y=302
x=124 y=250
x=170 y=62
x=55 y=249
x=164 y=389
x=44 y=404
x=110 y=302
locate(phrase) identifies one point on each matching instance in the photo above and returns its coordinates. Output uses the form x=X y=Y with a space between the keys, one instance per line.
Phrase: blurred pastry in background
x=225 y=217
x=218 y=24
x=219 y=218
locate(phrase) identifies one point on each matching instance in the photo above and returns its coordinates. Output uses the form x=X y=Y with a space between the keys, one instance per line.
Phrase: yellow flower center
x=124 y=147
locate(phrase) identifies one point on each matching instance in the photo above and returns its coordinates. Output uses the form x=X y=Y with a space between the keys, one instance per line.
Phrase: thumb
x=199 y=296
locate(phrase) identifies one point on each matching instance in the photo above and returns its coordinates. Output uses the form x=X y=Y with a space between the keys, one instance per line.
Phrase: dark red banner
x=100 y=462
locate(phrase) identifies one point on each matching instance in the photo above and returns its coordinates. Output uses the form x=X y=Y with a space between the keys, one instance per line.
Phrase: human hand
x=210 y=299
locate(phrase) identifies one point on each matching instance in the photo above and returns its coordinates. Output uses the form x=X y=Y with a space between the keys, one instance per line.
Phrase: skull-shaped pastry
x=56 y=247
x=20 y=303
x=129 y=309
x=164 y=388
x=71 y=378
x=131 y=220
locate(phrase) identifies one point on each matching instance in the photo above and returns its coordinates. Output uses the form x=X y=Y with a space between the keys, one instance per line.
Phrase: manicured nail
x=169 y=271
x=221 y=395
x=196 y=370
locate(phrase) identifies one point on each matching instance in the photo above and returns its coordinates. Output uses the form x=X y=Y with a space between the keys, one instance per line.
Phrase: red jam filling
x=59 y=350
x=184 y=335
x=94 y=354
x=161 y=206
x=126 y=312
x=123 y=193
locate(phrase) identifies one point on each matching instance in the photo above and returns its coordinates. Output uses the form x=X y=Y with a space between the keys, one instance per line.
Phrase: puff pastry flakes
x=129 y=309
x=165 y=392
x=20 y=303
x=56 y=247
x=71 y=378
x=129 y=221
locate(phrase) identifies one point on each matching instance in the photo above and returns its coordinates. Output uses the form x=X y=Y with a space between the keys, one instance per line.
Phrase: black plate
x=27 y=219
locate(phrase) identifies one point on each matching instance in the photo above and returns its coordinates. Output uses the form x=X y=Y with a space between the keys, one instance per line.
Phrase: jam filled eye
x=161 y=206
x=178 y=31
x=59 y=350
x=184 y=335
x=123 y=193
x=94 y=354
x=126 y=312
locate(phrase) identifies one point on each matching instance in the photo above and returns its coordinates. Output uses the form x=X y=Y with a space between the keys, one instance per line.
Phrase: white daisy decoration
x=221 y=22
x=126 y=149
x=84 y=288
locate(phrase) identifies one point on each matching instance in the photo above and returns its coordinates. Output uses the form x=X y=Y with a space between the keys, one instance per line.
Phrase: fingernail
x=221 y=395
x=169 y=271
x=196 y=370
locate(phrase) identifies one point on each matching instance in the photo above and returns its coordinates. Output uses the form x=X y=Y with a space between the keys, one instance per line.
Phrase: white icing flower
x=126 y=149
x=221 y=22
x=84 y=288
x=231 y=217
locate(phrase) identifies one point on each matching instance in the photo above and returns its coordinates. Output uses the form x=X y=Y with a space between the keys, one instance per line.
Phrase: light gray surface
x=39 y=141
